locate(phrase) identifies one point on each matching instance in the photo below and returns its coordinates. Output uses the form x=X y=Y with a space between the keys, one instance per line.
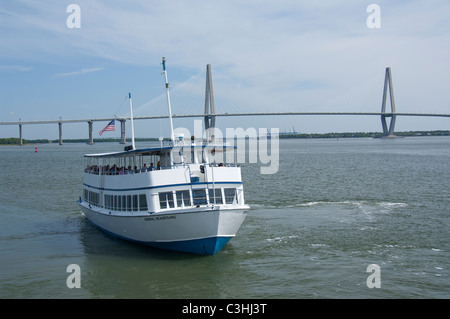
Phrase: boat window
x=143 y=202
x=119 y=203
x=135 y=203
x=183 y=198
x=126 y=202
x=107 y=201
x=129 y=207
x=116 y=202
x=230 y=195
x=91 y=197
x=215 y=196
x=166 y=200
x=199 y=196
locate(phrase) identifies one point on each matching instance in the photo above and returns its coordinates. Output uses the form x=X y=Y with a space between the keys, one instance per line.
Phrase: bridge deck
x=227 y=114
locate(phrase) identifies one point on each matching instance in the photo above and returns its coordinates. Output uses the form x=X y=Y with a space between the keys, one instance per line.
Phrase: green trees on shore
x=16 y=140
x=363 y=134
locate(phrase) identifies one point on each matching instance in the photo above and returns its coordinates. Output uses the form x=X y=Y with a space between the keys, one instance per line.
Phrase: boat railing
x=222 y=164
x=104 y=170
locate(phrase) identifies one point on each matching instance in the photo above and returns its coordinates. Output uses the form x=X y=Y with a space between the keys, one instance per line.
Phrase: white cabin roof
x=163 y=150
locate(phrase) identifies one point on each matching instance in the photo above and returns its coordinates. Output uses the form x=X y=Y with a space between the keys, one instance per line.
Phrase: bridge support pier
x=91 y=137
x=20 y=135
x=123 y=139
x=388 y=132
x=60 y=133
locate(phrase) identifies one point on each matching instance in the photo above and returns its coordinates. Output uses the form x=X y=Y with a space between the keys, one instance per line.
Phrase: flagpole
x=168 y=100
x=172 y=137
x=132 y=125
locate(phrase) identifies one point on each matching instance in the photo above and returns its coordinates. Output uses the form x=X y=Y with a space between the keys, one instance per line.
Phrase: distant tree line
x=16 y=140
x=363 y=134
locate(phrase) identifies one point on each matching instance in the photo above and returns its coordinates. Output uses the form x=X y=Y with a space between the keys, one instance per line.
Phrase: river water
x=333 y=208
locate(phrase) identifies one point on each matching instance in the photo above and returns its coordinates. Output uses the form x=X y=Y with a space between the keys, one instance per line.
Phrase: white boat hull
x=203 y=231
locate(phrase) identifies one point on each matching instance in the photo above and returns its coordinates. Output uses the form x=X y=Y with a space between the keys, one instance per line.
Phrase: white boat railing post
x=213 y=182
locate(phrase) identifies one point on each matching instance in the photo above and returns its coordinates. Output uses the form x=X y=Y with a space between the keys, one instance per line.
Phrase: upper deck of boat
x=164 y=150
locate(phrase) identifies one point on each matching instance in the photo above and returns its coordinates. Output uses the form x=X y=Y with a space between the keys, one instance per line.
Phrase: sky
x=266 y=56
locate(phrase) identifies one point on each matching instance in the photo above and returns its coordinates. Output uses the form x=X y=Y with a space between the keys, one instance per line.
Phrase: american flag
x=110 y=127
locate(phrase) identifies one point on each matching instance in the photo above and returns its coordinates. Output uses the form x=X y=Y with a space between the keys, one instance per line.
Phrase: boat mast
x=132 y=125
x=172 y=137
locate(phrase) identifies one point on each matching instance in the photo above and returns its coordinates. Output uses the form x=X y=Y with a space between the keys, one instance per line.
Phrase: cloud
x=289 y=54
x=15 y=68
x=76 y=73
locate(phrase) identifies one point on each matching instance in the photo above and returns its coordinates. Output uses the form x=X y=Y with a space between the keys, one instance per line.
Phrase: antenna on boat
x=132 y=125
x=172 y=137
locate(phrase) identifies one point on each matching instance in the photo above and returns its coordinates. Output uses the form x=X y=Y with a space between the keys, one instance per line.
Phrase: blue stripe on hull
x=203 y=246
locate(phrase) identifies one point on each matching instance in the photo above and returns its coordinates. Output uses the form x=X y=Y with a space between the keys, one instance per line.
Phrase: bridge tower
x=210 y=114
x=388 y=133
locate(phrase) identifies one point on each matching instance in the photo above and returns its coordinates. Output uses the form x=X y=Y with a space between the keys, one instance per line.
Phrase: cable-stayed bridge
x=210 y=113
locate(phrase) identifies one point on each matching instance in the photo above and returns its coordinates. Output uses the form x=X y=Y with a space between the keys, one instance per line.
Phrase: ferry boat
x=172 y=197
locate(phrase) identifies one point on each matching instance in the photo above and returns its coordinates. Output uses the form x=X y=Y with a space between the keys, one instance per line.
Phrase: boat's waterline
x=201 y=232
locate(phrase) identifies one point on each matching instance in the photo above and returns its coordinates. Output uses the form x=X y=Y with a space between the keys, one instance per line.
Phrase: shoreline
x=16 y=141
x=366 y=134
